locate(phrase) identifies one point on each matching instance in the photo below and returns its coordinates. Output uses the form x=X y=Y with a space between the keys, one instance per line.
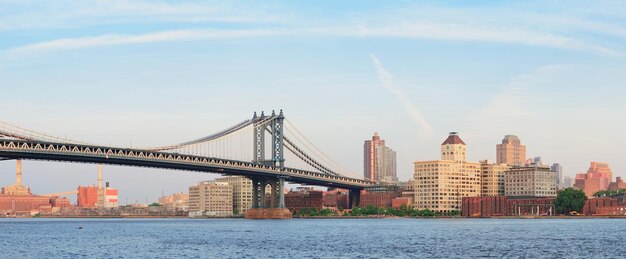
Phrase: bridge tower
x=259 y=138
x=275 y=208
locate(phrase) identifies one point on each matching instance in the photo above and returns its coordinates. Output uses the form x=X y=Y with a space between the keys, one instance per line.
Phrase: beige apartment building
x=211 y=198
x=511 y=151
x=441 y=184
x=534 y=181
x=492 y=178
x=242 y=192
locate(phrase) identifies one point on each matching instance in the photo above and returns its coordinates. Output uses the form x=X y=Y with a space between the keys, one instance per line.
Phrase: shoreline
x=328 y=217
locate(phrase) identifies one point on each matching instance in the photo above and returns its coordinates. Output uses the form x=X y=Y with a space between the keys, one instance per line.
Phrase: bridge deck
x=35 y=150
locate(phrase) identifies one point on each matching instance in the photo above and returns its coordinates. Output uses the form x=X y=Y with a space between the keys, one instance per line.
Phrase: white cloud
x=498 y=25
x=72 y=14
x=412 y=111
x=477 y=33
x=163 y=36
x=508 y=110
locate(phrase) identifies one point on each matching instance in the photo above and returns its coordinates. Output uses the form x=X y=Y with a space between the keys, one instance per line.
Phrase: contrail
x=387 y=80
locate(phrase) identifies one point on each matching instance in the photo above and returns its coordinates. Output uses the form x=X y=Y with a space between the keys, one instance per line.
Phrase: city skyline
x=133 y=73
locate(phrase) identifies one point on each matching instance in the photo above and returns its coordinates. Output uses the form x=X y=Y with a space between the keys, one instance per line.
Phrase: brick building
x=597 y=178
x=10 y=204
x=484 y=206
x=592 y=205
x=87 y=196
x=303 y=198
x=617 y=185
x=378 y=199
x=335 y=199
x=507 y=206
x=529 y=206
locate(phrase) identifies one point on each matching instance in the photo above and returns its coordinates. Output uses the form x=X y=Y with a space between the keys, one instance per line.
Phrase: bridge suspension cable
x=314 y=154
x=223 y=133
x=12 y=131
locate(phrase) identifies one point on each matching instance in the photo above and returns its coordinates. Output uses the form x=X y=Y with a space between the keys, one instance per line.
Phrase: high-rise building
x=558 y=170
x=440 y=184
x=242 y=192
x=568 y=182
x=211 y=198
x=492 y=178
x=379 y=161
x=597 y=178
x=531 y=181
x=511 y=151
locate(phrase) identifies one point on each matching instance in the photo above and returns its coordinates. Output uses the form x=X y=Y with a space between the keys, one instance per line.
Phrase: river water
x=312 y=238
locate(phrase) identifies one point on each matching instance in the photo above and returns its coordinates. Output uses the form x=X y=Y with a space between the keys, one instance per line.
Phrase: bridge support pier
x=274 y=208
x=355 y=198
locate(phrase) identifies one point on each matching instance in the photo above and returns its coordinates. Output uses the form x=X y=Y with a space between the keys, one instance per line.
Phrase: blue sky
x=159 y=72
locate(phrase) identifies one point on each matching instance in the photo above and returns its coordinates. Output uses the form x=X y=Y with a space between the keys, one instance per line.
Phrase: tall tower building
x=511 y=151
x=597 y=178
x=379 y=161
x=440 y=184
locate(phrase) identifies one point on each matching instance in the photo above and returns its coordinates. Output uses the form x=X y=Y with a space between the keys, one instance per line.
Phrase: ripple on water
x=333 y=238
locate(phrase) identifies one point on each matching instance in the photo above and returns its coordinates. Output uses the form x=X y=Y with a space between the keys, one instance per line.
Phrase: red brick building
x=335 y=199
x=592 y=205
x=60 y=202
x=530 y=206
x=10 y=204
x=87 y=196
x=378 y=199
x=612 y=211
x=304 y=198
x=506 y=206
x=484 y=206
x=400 y=201
x=617 y=185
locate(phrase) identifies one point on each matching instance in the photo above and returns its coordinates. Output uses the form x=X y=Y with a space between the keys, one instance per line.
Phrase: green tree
x=155 y=204
x=326 y=212
x=569 y=200
x=608 y=193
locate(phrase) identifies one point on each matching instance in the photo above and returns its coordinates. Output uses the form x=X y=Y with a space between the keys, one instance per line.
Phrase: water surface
x=312 y=238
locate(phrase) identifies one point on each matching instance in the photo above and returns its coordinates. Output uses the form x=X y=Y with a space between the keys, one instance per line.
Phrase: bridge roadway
x=65 y=152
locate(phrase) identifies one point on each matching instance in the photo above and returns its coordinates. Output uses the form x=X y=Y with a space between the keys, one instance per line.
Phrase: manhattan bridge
x=238 y=150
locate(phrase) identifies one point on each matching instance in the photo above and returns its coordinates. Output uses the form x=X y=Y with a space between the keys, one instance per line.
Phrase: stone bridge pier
x=268 y=205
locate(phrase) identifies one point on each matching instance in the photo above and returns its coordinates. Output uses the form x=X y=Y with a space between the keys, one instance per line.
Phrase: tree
x=569 y=200
x=155 y=204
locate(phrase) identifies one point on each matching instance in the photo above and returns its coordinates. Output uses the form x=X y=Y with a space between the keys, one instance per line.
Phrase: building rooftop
x=511 y=139
x=453 y=139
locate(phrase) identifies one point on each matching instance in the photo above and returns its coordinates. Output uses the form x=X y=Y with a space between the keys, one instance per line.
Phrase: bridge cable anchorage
x=315 y=150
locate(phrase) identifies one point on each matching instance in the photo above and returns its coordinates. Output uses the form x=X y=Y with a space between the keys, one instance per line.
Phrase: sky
x=152 y=73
